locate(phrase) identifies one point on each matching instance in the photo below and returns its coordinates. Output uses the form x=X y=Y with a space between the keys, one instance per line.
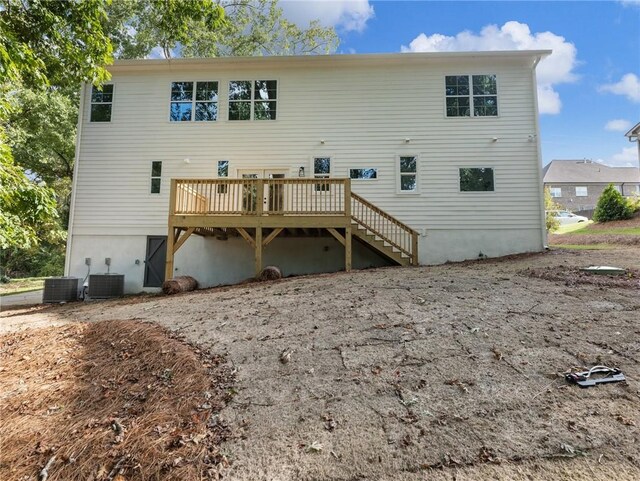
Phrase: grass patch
x=566 y=229
x=611 y=231
x=585 y=247
x=18 y=286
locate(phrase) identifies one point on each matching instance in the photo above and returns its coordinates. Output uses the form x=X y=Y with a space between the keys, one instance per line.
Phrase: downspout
x=74 y=187
x=543 y=224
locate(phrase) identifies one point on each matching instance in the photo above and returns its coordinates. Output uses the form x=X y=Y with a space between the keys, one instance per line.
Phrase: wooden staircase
x=383 y=233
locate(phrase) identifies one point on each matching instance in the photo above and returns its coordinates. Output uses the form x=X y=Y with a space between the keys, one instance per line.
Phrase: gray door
x=155 y=260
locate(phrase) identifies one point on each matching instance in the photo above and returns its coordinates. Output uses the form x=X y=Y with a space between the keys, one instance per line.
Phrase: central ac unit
x=104 y=286
x=60 y=289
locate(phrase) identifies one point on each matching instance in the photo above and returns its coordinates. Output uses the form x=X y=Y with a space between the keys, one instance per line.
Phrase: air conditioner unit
x=60 y=289
x=104 y=286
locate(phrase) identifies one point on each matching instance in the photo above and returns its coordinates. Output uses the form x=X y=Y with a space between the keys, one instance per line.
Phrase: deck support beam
x=246 y=236
x=347 y=249
x=179 y=241
x=258 y=248
x=173 y=233
x=336 y=234
x=272 y=236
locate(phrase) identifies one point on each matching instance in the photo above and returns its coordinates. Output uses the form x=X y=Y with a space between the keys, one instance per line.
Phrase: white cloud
x=347 y=15
x=629 y=86
x=557 y=68
x=618 y=125
x=627 y=157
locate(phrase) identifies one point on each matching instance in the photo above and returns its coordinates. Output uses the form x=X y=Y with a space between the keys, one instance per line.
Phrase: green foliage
x=551 y=220
x=612 y=206
x=136 y=27
x=634 y=202
x=43 y=260
x=45 y=42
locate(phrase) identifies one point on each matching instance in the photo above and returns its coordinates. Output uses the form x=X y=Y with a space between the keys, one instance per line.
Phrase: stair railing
x=384 y=226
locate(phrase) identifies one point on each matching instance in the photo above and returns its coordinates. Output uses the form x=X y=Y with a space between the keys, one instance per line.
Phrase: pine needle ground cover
x=110 y=400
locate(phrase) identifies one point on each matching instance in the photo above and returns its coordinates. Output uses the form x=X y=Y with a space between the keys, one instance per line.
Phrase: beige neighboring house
x=576 y=185
x=216 y=167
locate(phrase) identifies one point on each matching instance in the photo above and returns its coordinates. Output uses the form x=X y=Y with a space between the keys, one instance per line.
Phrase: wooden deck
x=261 y=209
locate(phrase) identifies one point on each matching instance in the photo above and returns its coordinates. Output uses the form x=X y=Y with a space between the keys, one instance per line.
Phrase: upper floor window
x=101 y=103
x=408 y=174
x=474 y=179
x=555 y=191
x=253 y=100
x=194 y=101
x=471 y=95
x=581 y=192
x=223 y=171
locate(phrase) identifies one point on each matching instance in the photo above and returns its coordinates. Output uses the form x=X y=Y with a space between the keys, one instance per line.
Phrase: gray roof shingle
x=587 y=171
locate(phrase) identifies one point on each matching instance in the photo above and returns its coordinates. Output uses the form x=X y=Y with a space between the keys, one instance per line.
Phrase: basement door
x=273 y=196
x=155 y=260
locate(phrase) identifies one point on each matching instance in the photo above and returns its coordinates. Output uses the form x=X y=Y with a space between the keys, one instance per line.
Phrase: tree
x=250 y=27
x=550 y=208
x=612 y=206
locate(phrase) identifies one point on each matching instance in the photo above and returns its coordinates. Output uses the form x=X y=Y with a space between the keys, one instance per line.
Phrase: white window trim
x=551 y=189
x=252 y=101
x=193 y=104
x=444 y=84
x=91 y=103
x=400 y=174
x=586 y=190
x=363 y=168
x=151 y=177
x=476 y=192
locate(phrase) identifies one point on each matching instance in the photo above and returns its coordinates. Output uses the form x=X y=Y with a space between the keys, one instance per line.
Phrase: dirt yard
x=447 y=372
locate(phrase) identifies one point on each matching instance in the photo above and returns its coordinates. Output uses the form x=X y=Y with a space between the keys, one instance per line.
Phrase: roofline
x=634 y=132
x=364 y=59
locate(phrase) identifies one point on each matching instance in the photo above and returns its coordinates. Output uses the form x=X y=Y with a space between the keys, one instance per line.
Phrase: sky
x=588 y=89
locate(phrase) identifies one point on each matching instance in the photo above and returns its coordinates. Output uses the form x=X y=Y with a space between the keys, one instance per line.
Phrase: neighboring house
x=576 y=185
x=634 y=136
x=236 y=163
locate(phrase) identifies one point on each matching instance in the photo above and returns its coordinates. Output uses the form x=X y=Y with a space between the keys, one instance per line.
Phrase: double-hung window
x=582 y=191
x=321 y=170
x=408 y=175
x=101 y=103
x=156 y=176
x=471 y=95
x=223 y=172
x=555 y=191
x=194 y=101
x=253 y=99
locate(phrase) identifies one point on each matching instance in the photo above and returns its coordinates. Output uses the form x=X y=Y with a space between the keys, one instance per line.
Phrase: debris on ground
x=269 y=273
x=179 y=284
x=574 y=276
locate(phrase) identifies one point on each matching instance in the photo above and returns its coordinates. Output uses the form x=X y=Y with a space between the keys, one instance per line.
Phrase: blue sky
x=589 y=88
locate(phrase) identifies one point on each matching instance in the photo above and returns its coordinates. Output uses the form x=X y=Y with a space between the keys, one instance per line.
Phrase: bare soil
x=446 y=372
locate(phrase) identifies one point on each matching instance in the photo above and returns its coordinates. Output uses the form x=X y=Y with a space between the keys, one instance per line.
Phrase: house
x=216 y=167
x=576 y=185
x=634 y=136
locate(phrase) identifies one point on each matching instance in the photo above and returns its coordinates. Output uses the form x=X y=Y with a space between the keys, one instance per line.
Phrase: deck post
x=260 y=197
x=414 y=248
x=171 y=237
x=258 y=250
x=347 y=230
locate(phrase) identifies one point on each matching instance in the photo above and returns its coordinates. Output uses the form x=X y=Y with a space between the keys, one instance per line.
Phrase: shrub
x=549 y=207
x=634 y=202
x=612 y=206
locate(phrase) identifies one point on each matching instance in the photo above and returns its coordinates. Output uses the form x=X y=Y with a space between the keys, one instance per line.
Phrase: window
x=471 y=95
x=255 y=100
x=366 y=174
x=184 y=103
x=581 y=192
x=223 y=171
x=618 y=188
x=321 y=170
x=156 y=176
x=408 y=166
x=474 y=179
x=555 y=191
x=101 y=103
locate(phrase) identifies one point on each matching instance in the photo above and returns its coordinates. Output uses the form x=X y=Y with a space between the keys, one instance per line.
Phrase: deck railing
x=260 y=196
x=384 y=226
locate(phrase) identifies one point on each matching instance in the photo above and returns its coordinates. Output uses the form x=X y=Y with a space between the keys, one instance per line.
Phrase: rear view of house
x=216 y=167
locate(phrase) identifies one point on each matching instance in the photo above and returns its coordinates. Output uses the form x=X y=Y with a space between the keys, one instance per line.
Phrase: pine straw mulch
x=595 y=238
x=573 y=276
x=110 y=400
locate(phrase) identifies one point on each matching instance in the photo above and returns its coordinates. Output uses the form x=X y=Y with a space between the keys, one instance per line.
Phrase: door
x=274 y=195
x=155 y=260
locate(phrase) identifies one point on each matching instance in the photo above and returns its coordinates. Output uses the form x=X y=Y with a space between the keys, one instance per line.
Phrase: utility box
x=105 y=286
x=60 y=289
